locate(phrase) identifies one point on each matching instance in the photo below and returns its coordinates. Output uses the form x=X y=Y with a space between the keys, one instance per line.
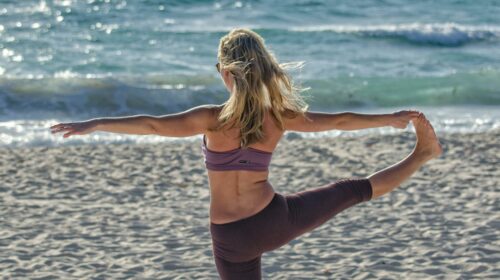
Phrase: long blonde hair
x=259 y=83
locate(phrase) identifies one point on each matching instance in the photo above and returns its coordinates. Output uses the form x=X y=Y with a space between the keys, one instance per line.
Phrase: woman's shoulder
x=212 y=115
x=211 y=106
x=289 y=114
x=209 y=109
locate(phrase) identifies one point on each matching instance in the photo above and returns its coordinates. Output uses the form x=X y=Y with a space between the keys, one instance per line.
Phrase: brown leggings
x=238 y=246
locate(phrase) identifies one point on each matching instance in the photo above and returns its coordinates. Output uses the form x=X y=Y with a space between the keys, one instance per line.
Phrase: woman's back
x=236 y=194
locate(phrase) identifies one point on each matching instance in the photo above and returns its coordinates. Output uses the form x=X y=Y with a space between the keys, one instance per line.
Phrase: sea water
x=74 y=60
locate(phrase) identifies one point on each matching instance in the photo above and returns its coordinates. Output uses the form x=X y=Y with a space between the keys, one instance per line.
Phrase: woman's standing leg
x=427 y=148
x=249 y=270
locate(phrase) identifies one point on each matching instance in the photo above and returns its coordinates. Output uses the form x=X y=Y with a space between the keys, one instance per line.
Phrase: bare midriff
x=238 y=194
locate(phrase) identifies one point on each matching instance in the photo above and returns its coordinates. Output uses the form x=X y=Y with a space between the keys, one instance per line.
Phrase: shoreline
x=154 y=140
x=446 y=120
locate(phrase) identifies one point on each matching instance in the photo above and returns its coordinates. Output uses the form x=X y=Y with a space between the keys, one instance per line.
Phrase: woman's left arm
x=194 y=121
x=190 y=122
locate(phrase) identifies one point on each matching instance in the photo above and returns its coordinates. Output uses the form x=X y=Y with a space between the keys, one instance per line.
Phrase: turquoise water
x=68 y=60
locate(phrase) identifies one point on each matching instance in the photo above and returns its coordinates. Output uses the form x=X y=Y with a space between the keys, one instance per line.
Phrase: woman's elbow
x=152 y=125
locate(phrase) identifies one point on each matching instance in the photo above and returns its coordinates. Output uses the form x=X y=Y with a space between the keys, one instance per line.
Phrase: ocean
x=74 y=60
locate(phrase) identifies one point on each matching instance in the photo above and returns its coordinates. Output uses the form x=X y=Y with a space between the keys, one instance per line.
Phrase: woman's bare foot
x=428 y=146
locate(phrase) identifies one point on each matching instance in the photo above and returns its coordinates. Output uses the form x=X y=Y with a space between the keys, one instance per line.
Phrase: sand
x=140 y=211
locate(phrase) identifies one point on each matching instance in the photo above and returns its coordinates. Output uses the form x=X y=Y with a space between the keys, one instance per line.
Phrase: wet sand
x=140 y=211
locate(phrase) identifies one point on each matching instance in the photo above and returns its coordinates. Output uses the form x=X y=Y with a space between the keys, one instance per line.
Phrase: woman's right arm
x=318 y=121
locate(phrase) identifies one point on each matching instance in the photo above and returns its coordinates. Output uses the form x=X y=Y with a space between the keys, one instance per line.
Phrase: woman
x=247 y=217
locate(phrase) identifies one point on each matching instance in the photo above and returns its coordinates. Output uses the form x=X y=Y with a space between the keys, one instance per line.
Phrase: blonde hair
x=259 y=83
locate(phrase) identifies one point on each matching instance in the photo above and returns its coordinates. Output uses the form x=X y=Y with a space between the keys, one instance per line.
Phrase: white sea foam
x=437 y=33
x=445 y=34
x=465 y=119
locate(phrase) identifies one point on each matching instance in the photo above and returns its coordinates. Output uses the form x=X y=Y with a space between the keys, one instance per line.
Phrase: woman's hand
x=75 y=128
x=402 y=118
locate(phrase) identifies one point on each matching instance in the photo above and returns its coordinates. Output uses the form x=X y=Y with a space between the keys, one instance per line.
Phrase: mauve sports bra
x=236 y=159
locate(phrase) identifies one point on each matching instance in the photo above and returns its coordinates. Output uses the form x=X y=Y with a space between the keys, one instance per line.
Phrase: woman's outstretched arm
x=194 y=121
x=318 y=121
x=190 y=122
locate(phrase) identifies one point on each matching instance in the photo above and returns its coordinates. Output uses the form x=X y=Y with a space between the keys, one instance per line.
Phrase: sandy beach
x=140 y=211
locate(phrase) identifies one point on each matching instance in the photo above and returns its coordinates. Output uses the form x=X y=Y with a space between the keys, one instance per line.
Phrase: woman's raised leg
x=427 y=148
x=311 y=208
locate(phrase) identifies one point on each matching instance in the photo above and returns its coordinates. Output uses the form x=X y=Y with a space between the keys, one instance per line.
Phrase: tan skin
x=234 y=194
